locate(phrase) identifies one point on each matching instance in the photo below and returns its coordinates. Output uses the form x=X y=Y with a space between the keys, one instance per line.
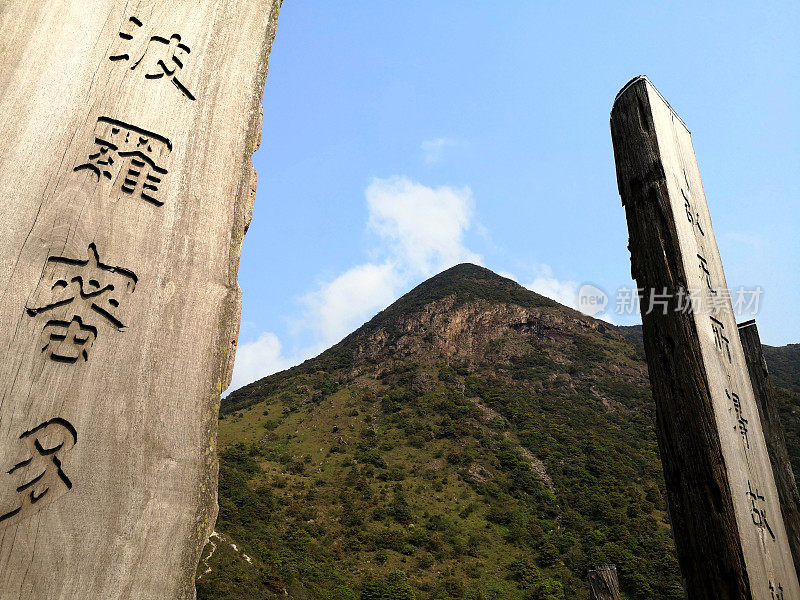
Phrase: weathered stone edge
x=228 y=326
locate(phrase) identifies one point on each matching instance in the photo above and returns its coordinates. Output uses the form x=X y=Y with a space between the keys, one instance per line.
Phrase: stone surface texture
x=126 y=185
x=603 y=583
x=774 y=435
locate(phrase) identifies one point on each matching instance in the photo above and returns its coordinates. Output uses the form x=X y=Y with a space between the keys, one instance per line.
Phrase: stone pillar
x=603 y=583
x=773 y=434
x=126 y=185
x=725 y=512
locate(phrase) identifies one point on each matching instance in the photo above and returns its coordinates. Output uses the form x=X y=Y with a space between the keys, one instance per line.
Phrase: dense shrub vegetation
x=500 y=473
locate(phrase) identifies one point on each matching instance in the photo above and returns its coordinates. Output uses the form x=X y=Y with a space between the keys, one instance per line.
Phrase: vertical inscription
x=728 y=527
x=120 y=311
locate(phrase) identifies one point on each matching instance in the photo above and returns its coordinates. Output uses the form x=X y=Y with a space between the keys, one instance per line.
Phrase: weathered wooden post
x=773 y=434
x=126 y=186
x=724 y=508
x=603 y=583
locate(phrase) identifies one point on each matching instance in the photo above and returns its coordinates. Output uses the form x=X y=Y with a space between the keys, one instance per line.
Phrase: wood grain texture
x=774 y=435
x=127 y=185
x=603 y=583
x=697 y=367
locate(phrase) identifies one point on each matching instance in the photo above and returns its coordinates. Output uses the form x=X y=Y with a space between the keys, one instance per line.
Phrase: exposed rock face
x=470 y=410
x=126 y=185
x=466 y=330
x=472 y=402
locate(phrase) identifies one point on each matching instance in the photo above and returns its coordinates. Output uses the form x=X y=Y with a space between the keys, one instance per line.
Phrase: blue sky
x=401 y=138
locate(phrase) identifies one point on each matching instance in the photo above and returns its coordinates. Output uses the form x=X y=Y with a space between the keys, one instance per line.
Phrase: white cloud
x=420 y=231
x=423 y=227
x=258 y=359
x=508 y=275
x=546 y=284
x=334 y=309
x=564 y=292
x=433 y=150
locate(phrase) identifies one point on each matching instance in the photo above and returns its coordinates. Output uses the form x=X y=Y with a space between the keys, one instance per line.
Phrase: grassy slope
x=784 y=365
x=374 y=477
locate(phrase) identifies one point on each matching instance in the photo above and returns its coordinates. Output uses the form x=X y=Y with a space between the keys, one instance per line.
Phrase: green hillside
x=784 y=365
x=473 y=441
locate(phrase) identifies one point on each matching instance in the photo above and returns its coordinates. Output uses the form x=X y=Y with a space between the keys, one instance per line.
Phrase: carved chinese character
x=706 y=274
x=84 y=292
x=130 y=152
x=757 y=512
x=741 y=422
x=720 y=340
x=38 y=479
x=68 y=341
x=692 y=215
x=776 y=590
x=160 y=58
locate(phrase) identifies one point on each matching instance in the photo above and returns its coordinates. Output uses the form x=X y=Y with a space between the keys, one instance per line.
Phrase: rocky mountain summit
x=474 y=440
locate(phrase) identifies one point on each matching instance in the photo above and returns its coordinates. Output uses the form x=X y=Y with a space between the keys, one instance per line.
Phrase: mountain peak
x=464 y=282
x=473 y=428
x=467 y=270
x=454 y=315
x=464 y=429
